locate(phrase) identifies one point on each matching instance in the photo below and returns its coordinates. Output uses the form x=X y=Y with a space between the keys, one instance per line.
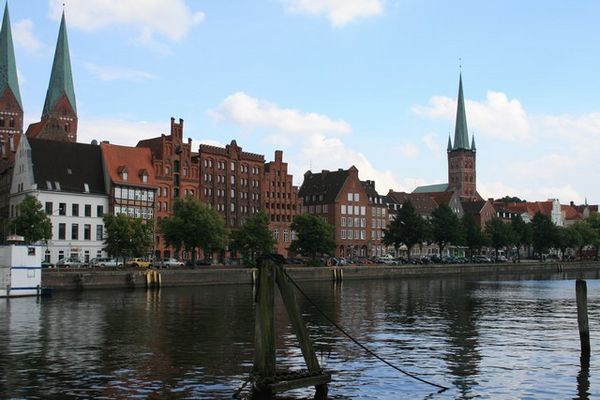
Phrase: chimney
x=278 y=156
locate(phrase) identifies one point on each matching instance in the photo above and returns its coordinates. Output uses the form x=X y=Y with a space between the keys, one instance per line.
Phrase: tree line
x=194 y=226
x=446 y=228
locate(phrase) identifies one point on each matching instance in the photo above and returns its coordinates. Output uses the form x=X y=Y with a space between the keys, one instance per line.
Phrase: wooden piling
x=582 y=316
x=264 y=332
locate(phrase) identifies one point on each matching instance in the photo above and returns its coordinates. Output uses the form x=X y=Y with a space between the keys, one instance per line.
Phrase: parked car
x=105 y=262
x=47 y=264
x=70 y=262
x=481 y=259
x=167 y=263
x=138 y=263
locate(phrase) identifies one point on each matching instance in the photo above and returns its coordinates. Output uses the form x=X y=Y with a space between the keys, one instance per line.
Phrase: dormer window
x=123 y=173
x=144 y=176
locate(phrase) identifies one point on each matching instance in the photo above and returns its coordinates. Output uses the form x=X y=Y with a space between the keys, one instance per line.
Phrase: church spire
x=8 y=67
x=461 y=133
x=61 y=78
x=473 y=143
x=449 y=148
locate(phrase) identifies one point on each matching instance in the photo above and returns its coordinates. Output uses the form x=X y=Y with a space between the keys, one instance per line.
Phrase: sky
x=335 y=83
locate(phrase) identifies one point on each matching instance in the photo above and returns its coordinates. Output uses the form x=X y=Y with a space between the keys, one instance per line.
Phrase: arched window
x=12 y=122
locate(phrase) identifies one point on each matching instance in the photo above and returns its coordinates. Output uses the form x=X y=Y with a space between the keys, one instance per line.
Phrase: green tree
x=194 y=225
x=314 y=236
x=499 y=233
x=407 y=228
x=32 y=221
x=472 y=235
x=586 y=233
x=254 y=237
x=445 y=227
x=119 y=235
x=594 y=222
x=567 y=237
x=543 y=233
x=522 y=232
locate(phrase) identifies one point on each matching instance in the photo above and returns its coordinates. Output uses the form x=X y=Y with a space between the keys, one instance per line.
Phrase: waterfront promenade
x=85 y=278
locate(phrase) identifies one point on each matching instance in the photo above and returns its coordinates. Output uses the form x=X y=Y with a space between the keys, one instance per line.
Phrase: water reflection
x=486 y=339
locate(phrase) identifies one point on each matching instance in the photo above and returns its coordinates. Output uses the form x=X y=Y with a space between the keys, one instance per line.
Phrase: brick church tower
x=59 y=117
x=11 y=108
x=462 y=157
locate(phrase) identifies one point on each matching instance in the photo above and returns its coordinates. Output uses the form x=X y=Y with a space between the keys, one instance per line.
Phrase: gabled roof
x=440 y=187
x=570 y=212
x=422 y=202
x=442 y=197
x=8 y=66
x=72 y=165
x=131 y=159
x=326 y=183
x=472 y=207
x=61 y=78
x=461 y=133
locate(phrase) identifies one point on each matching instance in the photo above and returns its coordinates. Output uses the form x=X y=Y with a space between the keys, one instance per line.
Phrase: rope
x=362 y=346
x=237 y=392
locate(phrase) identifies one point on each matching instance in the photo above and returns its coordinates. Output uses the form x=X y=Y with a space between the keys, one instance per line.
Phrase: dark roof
x=422 y=202
x=472 y=207
x=436 y=188
x=326 y=183
x=70 y=164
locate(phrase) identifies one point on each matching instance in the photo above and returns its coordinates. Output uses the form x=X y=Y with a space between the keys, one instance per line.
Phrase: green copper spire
x=461 y=133
x=449 y=144
x=473 y=143
x=61 y=79
x=8 y=67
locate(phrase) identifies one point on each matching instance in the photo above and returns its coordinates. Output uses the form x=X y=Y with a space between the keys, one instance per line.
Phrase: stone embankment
x=74 y=279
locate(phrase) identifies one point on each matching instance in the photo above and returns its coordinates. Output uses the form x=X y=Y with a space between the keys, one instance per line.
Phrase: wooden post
x=264 y=333
x=582 y=316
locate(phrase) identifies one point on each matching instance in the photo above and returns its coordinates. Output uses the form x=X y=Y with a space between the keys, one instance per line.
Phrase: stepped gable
x=72 y=165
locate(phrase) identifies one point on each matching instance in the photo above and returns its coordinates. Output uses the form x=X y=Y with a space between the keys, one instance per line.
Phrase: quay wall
x=77 y=279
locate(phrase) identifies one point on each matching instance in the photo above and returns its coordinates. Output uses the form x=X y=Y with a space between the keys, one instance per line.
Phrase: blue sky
x=334 y=83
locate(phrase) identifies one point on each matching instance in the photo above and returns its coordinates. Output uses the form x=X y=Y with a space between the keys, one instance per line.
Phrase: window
x=61 y=231
x=62 y=208
x=74 y=231
x=99 y=211
x=343 y=234
x=343 y=209
x=356 y=197
x=276 y=234
x=75 y=210
x=286 y=235
x=99 y=232
x=49 y=207
x=349 y=196
x=363 y=210
x=343 y=221
x=87 y=232
x=356 y=210
x=88 y=210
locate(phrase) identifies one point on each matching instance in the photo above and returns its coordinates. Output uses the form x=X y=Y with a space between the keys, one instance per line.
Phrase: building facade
x=67 y=180
x=280 y=201
x=230 y=181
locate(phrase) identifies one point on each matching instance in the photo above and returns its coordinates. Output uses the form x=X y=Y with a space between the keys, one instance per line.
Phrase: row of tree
x=446 y=228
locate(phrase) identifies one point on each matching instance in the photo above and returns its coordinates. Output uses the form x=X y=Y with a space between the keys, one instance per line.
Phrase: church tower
x=11 y=108
x=461 y=155
x=59 y=117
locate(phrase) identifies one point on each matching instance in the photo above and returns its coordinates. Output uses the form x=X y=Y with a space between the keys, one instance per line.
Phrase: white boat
x=20 y=270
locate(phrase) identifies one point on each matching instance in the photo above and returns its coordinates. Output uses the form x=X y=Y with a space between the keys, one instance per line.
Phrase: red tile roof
x=135 y=160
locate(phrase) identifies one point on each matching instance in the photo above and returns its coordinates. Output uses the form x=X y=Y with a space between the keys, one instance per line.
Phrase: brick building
x=344 y=201
x=176 y=170
x=230 y=181
x=280 y=201
x=59 y=116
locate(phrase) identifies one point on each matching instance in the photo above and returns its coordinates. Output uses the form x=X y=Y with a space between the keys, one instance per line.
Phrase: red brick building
x=280 y=201
x=230 y=181
x=176 y=170
x=344 y=201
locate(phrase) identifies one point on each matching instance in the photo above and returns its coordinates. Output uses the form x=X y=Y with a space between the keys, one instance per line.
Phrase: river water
x=483 y=338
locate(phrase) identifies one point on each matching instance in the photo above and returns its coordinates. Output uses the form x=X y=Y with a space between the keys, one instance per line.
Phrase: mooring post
x=582 y=317
x=264 y=333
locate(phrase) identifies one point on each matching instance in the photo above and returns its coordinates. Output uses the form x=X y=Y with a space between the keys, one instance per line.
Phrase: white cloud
x=311 y=140
x=118 y=131
x=496 y=117
x=170 y=18
x=431 y=142
x=251 y=112
x=408 y=150
x=107 y=73
x=24 y=36
x=339 y=12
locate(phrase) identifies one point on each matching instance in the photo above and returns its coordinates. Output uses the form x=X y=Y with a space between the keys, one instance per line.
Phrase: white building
x=67 y=178
x=20 y=270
